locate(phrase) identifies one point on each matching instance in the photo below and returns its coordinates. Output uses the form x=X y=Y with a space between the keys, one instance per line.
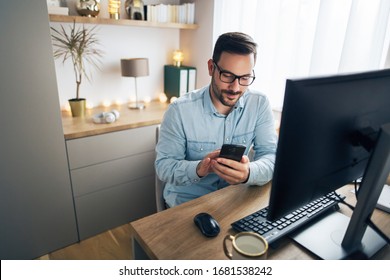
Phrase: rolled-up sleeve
x=265 y=143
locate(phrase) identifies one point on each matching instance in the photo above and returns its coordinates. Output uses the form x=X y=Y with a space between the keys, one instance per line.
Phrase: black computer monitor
x=329 y=131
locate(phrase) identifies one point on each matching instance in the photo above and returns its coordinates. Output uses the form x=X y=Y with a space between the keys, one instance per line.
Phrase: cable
x=340 y=200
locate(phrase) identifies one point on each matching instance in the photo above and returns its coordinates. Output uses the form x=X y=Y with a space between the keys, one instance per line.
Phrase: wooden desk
x=172 y=234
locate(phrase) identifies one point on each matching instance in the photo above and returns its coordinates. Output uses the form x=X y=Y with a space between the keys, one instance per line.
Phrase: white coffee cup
x=246 y=246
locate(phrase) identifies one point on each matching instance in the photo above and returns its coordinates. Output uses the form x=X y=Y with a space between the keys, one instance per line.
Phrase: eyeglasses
x=229 y=77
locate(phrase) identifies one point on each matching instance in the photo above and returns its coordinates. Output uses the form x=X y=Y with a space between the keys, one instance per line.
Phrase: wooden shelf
x=125 y=22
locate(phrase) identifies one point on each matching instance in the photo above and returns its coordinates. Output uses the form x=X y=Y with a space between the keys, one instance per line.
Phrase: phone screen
x=232 y=151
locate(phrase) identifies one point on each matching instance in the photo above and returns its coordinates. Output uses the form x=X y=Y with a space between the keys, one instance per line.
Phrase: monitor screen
x=316 y=152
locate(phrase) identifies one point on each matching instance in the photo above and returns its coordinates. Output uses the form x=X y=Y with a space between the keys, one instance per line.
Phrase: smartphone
x=232 y=151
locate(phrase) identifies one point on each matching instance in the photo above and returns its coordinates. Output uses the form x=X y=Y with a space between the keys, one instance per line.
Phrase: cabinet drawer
x=109 y=208
x=96 y=149
x=111 y=173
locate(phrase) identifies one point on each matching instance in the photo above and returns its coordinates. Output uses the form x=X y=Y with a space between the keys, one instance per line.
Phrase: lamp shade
x=135 y=67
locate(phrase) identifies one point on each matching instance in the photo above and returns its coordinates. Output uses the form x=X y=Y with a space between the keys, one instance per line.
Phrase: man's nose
x=235 y=86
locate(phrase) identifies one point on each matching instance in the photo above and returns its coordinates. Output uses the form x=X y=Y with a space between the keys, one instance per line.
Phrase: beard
x=227 y=98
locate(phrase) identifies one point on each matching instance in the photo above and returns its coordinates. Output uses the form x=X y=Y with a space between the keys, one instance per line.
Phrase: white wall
x=118 y=42
x=121 y=42
x=198 y=44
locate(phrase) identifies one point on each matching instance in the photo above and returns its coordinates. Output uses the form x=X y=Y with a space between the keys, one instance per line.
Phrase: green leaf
x=80 y=45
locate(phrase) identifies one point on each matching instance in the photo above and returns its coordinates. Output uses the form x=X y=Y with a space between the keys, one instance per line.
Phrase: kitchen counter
x=78 y=127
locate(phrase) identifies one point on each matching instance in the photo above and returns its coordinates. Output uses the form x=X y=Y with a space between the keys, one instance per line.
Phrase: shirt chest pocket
x=243 y=139
x=198 y=150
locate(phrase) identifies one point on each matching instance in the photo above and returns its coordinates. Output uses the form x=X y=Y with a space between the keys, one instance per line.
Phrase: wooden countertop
x=77 y=127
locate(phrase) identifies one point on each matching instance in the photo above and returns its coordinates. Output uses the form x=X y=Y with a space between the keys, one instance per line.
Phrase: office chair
x=159 y=185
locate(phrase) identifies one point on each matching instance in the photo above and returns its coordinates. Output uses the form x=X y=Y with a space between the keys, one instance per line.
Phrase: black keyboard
x=274 y=230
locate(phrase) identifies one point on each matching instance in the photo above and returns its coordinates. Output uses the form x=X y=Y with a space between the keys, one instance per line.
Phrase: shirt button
x=227 y=139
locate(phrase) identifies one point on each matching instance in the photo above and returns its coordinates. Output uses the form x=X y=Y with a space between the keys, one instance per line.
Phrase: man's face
x=224 y=94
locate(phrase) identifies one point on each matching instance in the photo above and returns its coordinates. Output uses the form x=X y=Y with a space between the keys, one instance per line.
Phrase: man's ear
x=210 y=66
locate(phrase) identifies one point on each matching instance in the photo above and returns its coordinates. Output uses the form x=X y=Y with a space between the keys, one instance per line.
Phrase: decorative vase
x=135 y=9
x=77 y=106
x=114 y=8
x=88 y=8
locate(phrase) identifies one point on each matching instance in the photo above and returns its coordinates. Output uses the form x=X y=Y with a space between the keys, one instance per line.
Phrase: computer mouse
x=207 y=225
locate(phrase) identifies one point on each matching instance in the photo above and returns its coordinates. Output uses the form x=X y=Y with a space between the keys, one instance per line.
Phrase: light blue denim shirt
x=192 y=128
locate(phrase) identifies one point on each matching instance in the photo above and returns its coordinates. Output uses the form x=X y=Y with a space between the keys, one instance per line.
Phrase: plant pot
x=77 y=106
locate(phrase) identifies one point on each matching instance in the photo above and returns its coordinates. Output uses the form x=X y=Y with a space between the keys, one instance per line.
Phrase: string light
x=162 y=97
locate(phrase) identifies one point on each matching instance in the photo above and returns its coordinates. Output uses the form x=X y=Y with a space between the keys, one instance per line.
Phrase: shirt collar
x=207 y=103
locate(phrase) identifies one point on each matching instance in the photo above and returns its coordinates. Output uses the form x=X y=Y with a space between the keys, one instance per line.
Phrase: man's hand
x=231 y=171
x=204 y=167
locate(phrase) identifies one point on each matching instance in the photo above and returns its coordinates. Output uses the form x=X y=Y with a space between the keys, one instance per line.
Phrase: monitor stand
x=338 y=237
x=324 y=237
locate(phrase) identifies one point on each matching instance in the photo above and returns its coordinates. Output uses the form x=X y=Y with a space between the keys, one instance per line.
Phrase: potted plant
x=78 y=44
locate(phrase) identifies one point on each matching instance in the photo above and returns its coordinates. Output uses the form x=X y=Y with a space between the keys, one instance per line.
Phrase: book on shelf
x=184 y=13
x=178 y=80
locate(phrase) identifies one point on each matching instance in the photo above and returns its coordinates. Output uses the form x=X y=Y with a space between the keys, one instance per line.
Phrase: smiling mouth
x=232 y=93
x=231 y=96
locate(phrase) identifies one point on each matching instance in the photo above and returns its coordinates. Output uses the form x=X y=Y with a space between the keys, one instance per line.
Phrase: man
x=197 y=124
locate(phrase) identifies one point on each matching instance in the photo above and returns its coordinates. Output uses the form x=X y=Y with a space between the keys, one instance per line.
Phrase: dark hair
x=236 y=43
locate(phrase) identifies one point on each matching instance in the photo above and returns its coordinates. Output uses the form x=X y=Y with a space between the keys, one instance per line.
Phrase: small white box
x=53 y=3
x=58 y=10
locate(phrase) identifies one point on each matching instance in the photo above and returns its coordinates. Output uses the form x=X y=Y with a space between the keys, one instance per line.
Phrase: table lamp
x=178 y=58
x=135 y=67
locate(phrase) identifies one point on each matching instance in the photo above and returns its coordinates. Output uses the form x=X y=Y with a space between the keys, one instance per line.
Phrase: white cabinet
x=112 y=177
